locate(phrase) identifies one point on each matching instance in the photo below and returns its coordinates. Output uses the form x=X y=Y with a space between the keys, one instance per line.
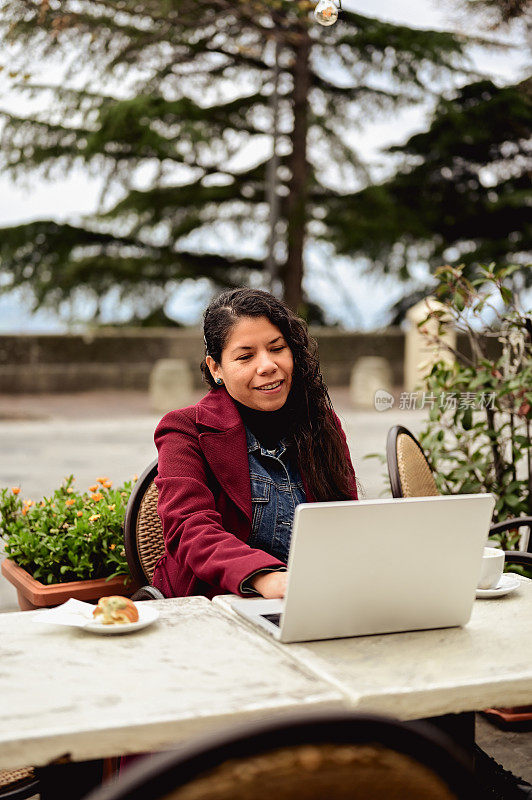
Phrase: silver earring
x=219 y=381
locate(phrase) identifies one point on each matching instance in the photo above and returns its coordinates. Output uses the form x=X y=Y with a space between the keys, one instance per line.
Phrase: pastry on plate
x=115 y=610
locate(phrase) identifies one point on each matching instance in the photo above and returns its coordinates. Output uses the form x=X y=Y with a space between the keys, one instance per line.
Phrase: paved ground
x=46 y=437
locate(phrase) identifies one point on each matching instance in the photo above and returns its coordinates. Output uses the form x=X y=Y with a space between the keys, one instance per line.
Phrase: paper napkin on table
x=73 y=612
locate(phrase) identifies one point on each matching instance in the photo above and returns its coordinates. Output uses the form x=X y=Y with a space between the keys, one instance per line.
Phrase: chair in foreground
x=336 y=755
x=143 y=534
x=18 y=784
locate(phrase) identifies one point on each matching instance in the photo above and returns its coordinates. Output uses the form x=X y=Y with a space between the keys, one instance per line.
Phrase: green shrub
x=484 y=444
x=69 y=536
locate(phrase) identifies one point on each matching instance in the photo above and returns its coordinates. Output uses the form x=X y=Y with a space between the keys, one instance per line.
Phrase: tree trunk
x=292 y=272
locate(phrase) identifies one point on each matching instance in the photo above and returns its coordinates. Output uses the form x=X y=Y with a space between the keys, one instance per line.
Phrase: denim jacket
x=276 y=490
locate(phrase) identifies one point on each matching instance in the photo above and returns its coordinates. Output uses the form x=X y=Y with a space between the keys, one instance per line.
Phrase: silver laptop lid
x=378 y=566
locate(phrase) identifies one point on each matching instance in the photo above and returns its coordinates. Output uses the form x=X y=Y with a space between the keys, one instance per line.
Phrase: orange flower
x=96 y=497
x=135 y=477
x=103 y=480
x=94 y=488
x=80 y=513
x=70 y=490
x=43 y=503
x=70 y=502
x=107 y=484
x=16 y=489
x=24 y=511
x=29 y=503
x=112 y=508
x=112 y=546
x=94 y=517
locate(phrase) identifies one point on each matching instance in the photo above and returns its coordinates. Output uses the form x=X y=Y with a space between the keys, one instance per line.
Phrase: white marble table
x=431 y=673
x=68 y=692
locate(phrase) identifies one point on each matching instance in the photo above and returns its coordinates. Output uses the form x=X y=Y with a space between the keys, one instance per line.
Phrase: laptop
x=377 y=566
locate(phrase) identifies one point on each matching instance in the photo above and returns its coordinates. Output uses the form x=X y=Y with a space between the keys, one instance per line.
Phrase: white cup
x=492 y=567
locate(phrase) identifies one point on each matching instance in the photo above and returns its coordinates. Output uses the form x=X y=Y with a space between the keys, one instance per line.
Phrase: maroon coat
x=205 y=500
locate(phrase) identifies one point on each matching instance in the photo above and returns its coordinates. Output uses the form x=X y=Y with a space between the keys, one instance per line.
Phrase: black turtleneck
x=267 y=426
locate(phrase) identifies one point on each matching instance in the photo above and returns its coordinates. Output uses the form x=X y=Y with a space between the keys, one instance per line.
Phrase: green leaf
x=512 y=500
x=45 y=551
x=506 y=294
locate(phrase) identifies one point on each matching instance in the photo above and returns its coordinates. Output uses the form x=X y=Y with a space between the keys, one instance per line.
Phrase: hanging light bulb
x=326 y=12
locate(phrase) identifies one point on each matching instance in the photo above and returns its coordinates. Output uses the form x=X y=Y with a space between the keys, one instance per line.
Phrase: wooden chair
x=143 y=534
x=336 y=755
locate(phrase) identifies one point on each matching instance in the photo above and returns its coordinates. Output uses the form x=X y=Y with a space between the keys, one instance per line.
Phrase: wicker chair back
x=143 y=532
x=409 y=471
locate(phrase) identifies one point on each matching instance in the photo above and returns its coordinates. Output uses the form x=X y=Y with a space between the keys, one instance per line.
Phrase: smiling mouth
x=269 y=387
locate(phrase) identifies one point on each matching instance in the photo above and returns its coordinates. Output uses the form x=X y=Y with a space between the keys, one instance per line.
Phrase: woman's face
x=256 y=365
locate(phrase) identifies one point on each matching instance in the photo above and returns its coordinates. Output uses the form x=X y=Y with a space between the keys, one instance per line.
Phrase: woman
x=233 y=467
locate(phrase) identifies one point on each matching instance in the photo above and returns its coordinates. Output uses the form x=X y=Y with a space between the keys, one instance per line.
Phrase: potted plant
x=479 y=431
x=67 y=545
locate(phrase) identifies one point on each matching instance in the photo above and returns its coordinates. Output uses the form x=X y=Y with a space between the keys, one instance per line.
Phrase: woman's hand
x=270 y=584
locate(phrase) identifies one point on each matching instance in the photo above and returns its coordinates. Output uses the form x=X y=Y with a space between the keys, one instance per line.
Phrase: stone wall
x=124 y=358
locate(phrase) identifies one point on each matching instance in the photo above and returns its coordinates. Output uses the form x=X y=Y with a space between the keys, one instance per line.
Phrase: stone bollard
x=369 y=375
x=420 y=354
x=170 y=385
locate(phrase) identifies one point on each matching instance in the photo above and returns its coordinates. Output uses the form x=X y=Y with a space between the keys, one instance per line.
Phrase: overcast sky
x=357 y=301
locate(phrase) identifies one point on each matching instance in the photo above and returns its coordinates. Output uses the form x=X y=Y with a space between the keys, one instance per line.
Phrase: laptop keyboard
x=275 y=618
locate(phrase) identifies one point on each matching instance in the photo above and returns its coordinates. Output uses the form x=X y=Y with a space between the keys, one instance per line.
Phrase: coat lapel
x=225 y=446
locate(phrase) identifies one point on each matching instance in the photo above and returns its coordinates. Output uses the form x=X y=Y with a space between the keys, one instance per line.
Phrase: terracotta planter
x=32 y=594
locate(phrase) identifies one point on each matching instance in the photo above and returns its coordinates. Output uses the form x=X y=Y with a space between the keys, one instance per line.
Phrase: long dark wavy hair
x=313 y=432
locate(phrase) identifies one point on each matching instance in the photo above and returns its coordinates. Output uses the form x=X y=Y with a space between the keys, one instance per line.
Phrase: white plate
x=147 y=615
x=508 y=583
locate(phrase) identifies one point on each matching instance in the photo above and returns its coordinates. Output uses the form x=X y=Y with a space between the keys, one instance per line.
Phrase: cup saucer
x=508 y=583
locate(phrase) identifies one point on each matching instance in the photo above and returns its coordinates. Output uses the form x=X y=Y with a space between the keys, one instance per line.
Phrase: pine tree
x=180 y=88
x=493 y=13
x=462 y=194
